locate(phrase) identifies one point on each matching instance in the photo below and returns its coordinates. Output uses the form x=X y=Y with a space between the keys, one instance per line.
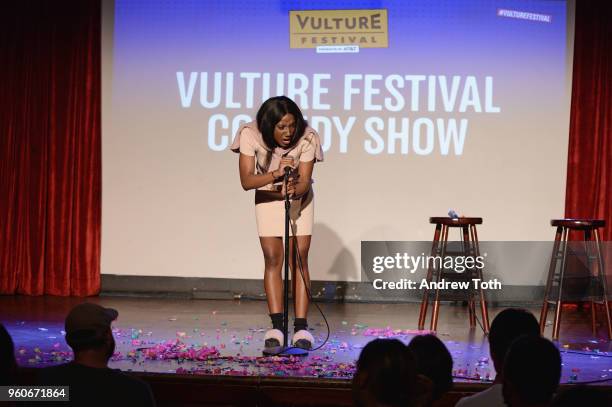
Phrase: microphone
x=288 y=168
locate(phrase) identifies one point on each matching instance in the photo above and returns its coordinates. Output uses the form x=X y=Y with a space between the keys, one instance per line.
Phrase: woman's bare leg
x=273 y=252
x=300 y=296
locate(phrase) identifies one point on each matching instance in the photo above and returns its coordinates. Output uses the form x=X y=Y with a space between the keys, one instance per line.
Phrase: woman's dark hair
x=8 y=365
x=508 y=326
x=582 y=395
x=434 y=361
x=533 y=367
x=270 y=113
x=390 y=370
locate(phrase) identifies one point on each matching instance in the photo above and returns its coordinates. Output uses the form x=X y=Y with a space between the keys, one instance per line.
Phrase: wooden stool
x=592 y=246
x=439 y=247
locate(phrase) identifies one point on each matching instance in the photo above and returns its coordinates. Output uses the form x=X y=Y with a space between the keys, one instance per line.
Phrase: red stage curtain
x=589 y=167
x=50 y=150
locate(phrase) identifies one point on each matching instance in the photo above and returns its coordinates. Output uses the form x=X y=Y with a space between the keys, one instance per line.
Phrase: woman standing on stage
x=280 y=138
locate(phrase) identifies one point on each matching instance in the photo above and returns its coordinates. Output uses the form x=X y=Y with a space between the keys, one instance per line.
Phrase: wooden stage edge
x=216 y=391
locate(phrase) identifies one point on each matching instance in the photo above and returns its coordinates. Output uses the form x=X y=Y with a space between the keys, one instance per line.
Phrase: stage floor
x=225 y=337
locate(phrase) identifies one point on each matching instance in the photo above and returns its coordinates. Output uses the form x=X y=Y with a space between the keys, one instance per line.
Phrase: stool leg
x=467 y=251
x=551 y=273
x=472 y=311
x=557 y=322
x=430 y=270
x=483 y=301
x=436 y=304
x=602 y=276
x=593 y=318
x=587 y=251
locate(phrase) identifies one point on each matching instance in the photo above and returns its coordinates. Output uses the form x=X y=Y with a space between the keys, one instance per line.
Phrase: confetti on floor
x=188 y=345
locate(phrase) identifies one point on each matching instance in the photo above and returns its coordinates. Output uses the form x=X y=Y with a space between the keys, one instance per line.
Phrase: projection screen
x=422 y=106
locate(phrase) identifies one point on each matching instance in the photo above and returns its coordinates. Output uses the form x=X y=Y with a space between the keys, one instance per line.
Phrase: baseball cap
x=88 y=322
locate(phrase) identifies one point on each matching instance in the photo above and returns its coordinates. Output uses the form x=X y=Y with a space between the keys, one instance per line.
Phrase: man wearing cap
x=91 y=381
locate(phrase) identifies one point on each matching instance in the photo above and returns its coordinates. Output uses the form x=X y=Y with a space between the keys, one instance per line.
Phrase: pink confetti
x=393 y=333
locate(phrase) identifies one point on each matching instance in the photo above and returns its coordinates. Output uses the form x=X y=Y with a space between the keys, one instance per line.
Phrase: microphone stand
x=286 y=350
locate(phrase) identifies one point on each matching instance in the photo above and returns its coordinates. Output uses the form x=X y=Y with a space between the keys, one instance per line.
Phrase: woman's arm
x=248 y=178
x=302 y=184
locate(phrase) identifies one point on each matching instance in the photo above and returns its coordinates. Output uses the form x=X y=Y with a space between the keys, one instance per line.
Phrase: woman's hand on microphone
x=290 y=190
x=286 y=162
x=280 y=171
x=292 y=182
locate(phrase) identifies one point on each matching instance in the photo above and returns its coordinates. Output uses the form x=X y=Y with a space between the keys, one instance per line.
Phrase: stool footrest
x=592 y=258
x=453 y=253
